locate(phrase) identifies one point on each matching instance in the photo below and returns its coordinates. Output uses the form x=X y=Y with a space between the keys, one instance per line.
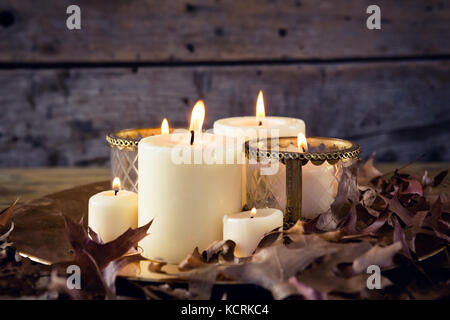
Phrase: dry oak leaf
x=368 y=172
x=218 y=251
x=99 y=262
x=5 y=214
x=380 y=256
x=272 y=267
x=325 y=275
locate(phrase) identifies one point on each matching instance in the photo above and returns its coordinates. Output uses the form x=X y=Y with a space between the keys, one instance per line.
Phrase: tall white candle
x=248 y=126
x=247 y=228
x=186 y=201
x=112 y=212
x=258 y=126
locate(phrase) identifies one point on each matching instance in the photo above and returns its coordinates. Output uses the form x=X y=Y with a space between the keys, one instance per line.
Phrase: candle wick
x=260 y=123
x=192 y=137
x=116 y=191
x=303 y=148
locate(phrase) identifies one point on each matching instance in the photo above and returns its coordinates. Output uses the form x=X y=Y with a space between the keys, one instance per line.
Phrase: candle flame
x=260 y=111
x=302 y=144
x=253 y=212
x=197 y=117
x=165 y=127
x=116 y=183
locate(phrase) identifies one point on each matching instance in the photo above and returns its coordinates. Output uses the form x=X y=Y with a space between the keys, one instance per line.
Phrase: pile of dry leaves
x=392 y=221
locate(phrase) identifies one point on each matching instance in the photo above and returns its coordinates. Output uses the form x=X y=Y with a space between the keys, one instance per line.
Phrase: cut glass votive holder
x=302 y=184
x=124 y=154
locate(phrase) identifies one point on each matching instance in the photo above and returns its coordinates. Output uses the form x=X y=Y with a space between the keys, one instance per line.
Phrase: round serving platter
x=39 y=233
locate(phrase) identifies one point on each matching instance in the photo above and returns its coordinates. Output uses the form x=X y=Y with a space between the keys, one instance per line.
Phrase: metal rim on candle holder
x=333 y=150
x=344 y=150
x=129 y=138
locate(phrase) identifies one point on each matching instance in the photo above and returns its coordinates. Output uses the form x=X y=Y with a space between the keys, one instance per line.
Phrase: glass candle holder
x=124 y=154
x=301 y=183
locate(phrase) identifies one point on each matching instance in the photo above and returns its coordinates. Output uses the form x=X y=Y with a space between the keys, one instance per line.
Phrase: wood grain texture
x=225 y=30
x=29 y=184
x=61 y=117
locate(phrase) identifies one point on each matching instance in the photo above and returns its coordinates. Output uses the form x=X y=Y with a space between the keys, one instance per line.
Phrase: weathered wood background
x=135 y=62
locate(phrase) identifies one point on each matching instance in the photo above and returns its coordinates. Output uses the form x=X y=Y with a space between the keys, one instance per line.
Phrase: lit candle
x=165 y=127
x=259 y=126
x=247 y=228
x=319 y=184
x=186 y=200
x=112 y=212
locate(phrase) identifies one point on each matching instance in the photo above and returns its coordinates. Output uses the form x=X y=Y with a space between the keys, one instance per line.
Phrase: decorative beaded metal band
x=345 y=150
x=331 y=150
x=129 y=138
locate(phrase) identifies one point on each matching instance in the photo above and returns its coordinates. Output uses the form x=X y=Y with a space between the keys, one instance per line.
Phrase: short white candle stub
x=113 y=212
x=247 y=228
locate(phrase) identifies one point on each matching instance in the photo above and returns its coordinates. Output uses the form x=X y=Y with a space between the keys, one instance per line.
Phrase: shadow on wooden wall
x=135 y=62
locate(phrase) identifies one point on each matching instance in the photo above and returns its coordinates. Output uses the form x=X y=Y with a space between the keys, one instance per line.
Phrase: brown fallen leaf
x=368 y=172
x=156 y=266
x=94 y=236
x=380 y=256
x=99 y=262
x=5 y=214
x=307 y=292
x=325 y=275
x=437 y=180
x=273 y=266
x=440 y=227
x=346 y=195
x=7 y=233
x=224 y=249
x=192 y=261
x=218 y=251
x=107 y=252
x=399 y=236
x=395 y=206
x=377 y=224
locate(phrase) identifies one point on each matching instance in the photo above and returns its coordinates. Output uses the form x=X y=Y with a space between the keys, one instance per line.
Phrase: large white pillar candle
x=113 y=212
x=247 y=228
x=186 y=200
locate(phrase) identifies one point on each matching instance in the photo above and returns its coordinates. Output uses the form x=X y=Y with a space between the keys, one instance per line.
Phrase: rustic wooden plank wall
x=134 y=62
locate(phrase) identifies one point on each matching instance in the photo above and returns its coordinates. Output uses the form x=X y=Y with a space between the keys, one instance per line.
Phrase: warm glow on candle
x=197 y=117
x=260 y=112
x=301 y=142
x=165 y=127
x=253 y=212
x=116 y=183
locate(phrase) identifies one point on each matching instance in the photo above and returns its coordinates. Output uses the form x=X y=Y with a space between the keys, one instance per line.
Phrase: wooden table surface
x=28 y=184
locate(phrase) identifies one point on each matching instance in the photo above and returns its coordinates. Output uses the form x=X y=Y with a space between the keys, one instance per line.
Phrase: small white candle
x=112 y=212
x=247 y=228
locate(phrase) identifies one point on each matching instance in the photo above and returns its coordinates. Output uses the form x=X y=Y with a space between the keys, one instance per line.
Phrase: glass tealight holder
x=303 y=183
x=124 y=154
